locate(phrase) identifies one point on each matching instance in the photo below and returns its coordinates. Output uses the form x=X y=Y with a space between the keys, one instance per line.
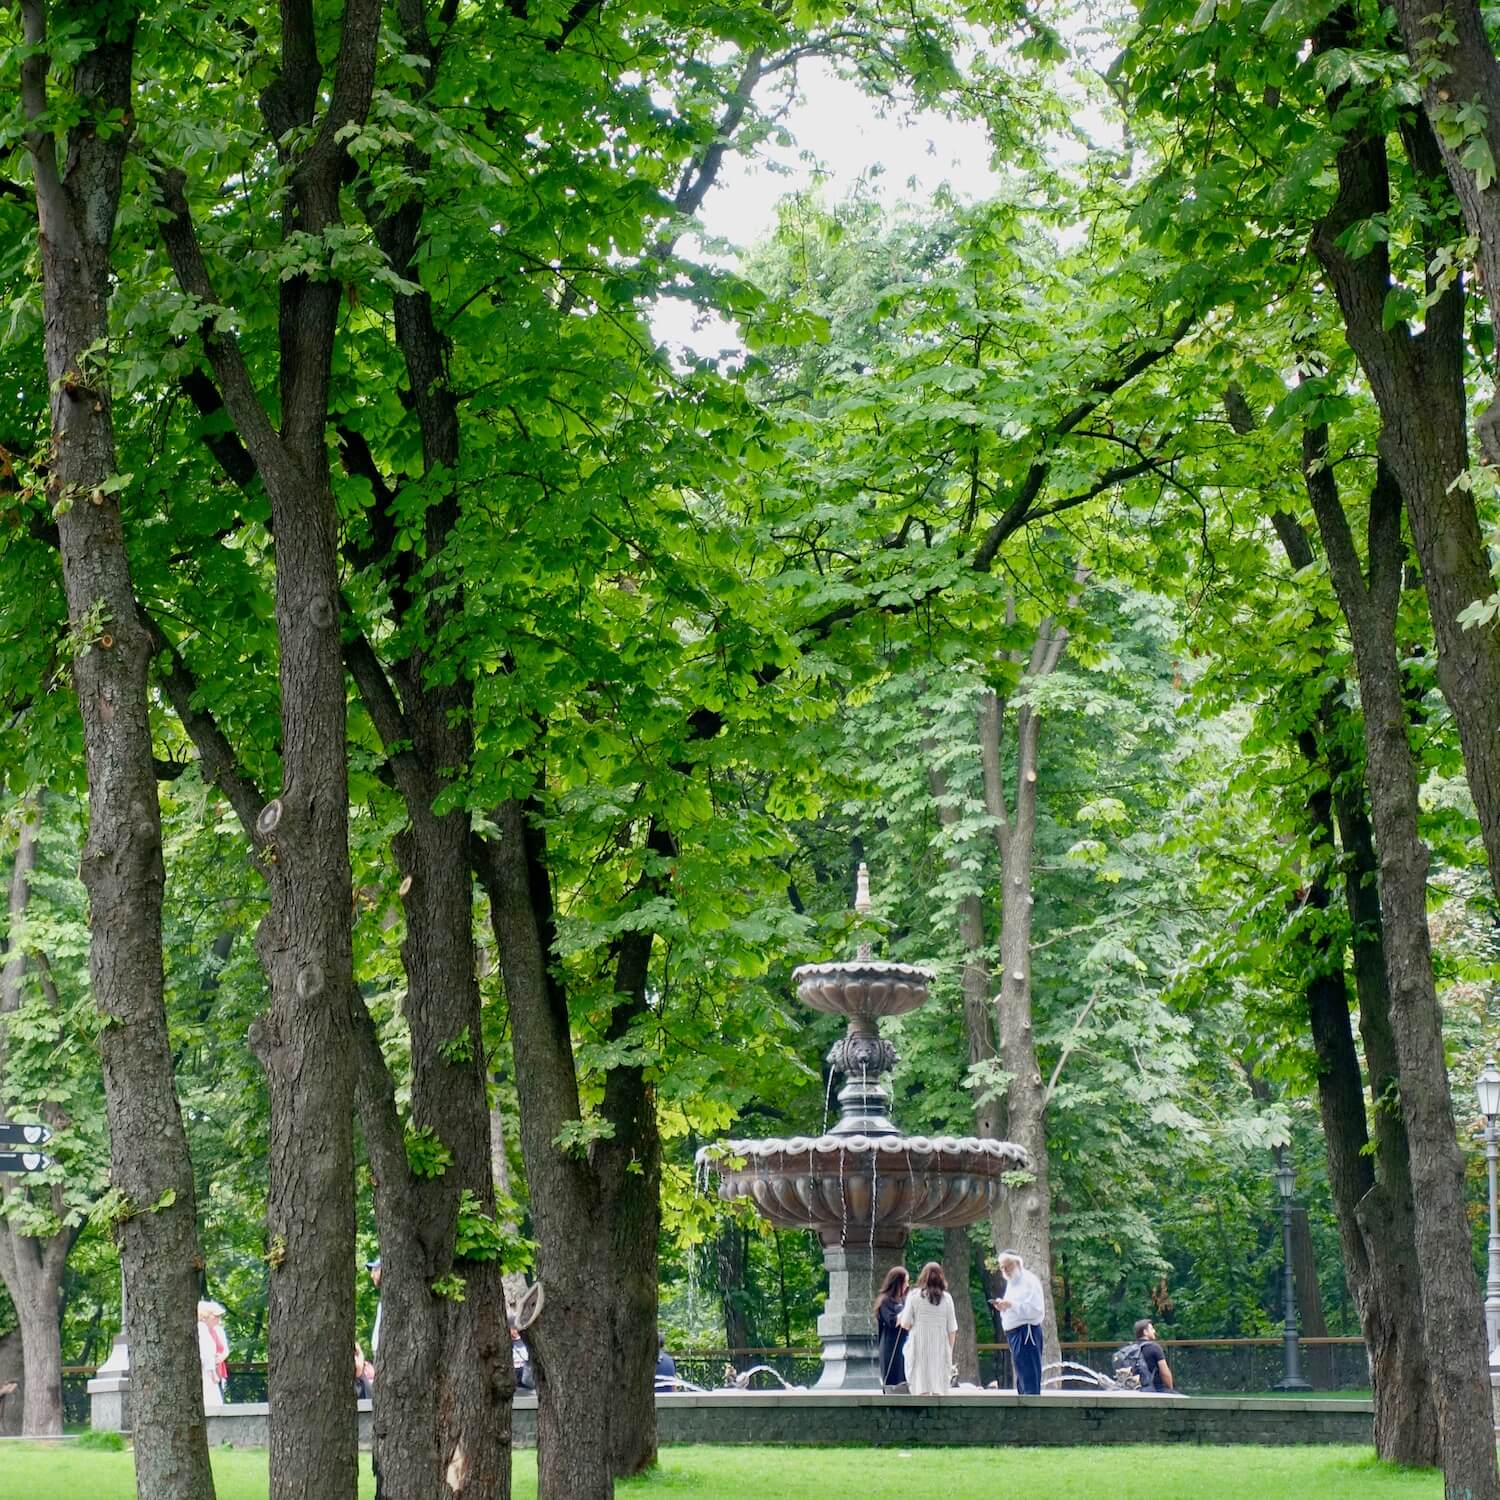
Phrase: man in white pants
x=1022 y=1310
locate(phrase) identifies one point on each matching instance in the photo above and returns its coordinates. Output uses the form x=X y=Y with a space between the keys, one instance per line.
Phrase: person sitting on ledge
x=666 y=1366
x=1154 y=1357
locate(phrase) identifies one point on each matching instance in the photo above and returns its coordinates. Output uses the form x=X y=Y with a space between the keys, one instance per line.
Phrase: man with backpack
x=1142 y=1366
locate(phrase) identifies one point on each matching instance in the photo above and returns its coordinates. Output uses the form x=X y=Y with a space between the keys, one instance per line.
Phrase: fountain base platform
x=963 y=1419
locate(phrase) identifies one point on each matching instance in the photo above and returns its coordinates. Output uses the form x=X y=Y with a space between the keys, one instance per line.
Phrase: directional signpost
x=23 y=1161
x=18 y=1143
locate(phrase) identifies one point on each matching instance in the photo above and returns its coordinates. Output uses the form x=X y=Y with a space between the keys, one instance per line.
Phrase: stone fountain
x=863 y=1186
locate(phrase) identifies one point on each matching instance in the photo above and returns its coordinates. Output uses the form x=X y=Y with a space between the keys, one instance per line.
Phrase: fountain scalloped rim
x=893 y=1145
x=882 y=968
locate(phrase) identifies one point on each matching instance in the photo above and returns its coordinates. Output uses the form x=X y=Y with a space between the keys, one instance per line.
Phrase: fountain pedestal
x=846 y=1329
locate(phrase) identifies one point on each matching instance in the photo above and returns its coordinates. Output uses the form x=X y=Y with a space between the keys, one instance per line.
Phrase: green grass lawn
x=54 y=1472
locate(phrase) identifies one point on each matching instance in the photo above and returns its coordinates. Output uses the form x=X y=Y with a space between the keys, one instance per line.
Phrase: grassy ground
x=53 y=1472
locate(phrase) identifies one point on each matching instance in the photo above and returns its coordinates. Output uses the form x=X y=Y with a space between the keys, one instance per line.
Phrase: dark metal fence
x=1231 y=1366
x=75 y=1395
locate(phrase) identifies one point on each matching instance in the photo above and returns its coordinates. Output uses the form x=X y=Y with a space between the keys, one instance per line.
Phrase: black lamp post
x=1487 y=1089
x=1291 y=1380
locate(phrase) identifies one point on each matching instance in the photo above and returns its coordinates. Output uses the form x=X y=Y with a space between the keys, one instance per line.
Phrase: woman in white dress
x=209 y=1313
x=933 y=1323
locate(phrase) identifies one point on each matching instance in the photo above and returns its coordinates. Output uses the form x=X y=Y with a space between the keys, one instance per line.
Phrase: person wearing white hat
x=210 y=1353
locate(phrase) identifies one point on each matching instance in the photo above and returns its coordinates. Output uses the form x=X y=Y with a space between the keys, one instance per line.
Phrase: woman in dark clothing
x=890 y=1334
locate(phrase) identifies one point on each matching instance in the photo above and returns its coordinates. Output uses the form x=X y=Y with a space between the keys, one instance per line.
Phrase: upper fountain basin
x=854 y=1189
x=863 y=989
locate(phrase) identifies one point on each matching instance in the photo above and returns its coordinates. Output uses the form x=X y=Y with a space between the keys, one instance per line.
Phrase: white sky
x=905 y=157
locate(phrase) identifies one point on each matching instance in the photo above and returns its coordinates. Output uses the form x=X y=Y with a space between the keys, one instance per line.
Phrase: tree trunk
x=1406 y=1429
x=1371 y=1193
x=628 y=1165
x=467 y=1366
x=731 y=1267
x=306 y=1039
x=39 y=1317
x=1317 y=1361
x=1418 y=382
x=31 y=1267
x=1451 y=1312
x=122 y=861
x=1023 y=1219
x=1455 y=65
x=571 y=1342
x=957 y=1259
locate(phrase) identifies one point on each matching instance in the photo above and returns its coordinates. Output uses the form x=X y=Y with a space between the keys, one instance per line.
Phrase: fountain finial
x=862 y=907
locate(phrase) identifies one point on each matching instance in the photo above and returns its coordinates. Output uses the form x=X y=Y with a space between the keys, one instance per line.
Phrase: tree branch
x=232 y=374
x=1018 y=512
x=216 y=755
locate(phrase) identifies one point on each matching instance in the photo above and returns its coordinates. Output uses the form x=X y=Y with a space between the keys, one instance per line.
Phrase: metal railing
x=1229 y=1366
x=1220 y=1366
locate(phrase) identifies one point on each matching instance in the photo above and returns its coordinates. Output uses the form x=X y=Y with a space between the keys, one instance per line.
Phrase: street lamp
x=1487 y=1089
x=1291 y=1380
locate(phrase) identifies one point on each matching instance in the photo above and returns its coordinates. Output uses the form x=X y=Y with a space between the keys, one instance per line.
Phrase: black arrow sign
x=15 y=1133
x=23 y=1161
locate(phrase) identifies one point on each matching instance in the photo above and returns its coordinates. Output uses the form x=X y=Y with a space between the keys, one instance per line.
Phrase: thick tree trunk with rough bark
x=1417 y=380
x=306 y=1039
x=571 y=1342
x=1453 y=1324
x=451 y=1392
x=1405 y=1414
x=39 y=1314
x=122 y=860
x=1371 y=1191
x=1374 y=1215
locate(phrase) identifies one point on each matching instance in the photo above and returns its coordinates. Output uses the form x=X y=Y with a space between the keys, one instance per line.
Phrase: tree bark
x=1317 y=1360
x=1418 y=380
x=122 y=860
x=1453 y=1322
x=1371 y=1192
x=513 y=1282
x=1023 y=1219
x=957 y=1260
x=306 y=1039
x=1455 y=65
x=628 y=1164
x=571 y=1342
x=731 y=1267
x=455 y=1372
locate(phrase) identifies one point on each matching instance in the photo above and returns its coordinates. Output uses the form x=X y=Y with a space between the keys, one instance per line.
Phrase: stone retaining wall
x=977 y=1419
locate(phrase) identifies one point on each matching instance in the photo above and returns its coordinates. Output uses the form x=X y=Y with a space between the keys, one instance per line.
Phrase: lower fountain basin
x=857 y=1190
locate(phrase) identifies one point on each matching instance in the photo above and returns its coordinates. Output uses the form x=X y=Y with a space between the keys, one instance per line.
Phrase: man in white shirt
x=1022 y=1310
